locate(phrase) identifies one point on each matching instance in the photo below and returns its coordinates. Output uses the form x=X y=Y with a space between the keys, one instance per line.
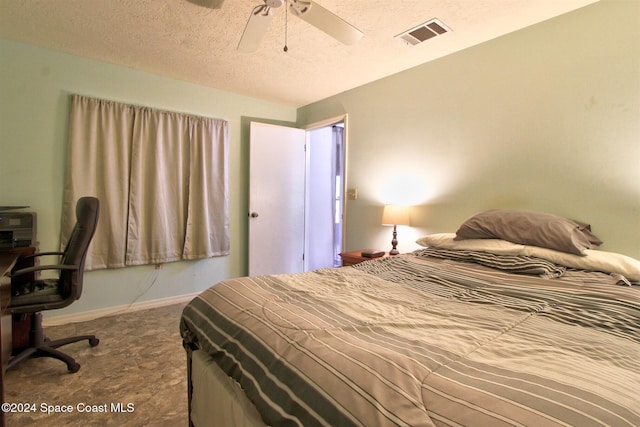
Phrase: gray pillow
x=530 y=228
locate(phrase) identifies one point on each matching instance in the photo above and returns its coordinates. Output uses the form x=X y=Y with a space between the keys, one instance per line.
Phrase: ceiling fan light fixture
x=274 y=3
x=299 y=7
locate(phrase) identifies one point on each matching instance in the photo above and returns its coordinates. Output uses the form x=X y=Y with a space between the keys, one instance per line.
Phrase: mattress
x=218 y=400
x=420 y=340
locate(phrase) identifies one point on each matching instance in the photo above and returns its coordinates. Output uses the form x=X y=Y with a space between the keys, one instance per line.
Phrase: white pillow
x=495 y=246
x=594 y=260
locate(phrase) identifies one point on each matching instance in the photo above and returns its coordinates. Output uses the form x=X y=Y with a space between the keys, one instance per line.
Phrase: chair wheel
x=73 y=368
x=94 y=342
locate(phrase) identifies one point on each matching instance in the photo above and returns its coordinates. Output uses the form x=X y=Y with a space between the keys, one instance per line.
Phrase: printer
x=17 y=229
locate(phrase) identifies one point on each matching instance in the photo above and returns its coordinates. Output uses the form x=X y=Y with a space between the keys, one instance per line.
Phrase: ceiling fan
x=308 y=11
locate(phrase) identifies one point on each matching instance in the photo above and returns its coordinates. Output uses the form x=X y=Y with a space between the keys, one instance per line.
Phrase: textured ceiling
x=178 y=39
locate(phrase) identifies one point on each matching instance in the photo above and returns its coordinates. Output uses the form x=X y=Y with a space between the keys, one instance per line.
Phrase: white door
x=276 y=199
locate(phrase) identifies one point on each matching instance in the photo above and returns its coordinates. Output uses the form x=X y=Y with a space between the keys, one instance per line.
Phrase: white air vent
x=423 y=32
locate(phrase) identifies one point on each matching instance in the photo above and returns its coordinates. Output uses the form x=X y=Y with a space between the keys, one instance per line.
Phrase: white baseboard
x=120 y=309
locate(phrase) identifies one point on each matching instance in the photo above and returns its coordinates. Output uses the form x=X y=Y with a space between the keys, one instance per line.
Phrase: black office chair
x=31 y=298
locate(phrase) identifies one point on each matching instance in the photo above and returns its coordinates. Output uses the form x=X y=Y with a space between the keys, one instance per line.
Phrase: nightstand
x=355 y=257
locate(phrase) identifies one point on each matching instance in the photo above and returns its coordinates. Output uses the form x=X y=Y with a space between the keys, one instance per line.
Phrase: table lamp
x=395 y=215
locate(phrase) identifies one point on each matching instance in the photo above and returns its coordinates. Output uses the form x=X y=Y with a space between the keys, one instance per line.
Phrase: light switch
x=352 y=193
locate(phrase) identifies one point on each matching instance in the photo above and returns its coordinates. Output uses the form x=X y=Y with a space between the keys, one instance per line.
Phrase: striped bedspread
x=414 y=340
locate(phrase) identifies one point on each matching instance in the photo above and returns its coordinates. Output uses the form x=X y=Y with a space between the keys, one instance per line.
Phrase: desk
x=10 y=259
x=7 y=262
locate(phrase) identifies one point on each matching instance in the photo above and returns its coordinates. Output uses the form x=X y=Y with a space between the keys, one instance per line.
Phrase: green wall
x=547 y=118
x=35 y=85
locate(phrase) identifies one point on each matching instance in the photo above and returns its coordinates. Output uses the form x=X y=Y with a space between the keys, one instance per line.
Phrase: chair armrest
x=35 y=268
x=39 y=254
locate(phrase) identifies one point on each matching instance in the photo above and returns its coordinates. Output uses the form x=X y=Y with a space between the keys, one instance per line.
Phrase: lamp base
x=394 y=243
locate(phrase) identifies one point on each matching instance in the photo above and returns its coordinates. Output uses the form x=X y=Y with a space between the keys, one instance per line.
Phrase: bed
x=466 y=331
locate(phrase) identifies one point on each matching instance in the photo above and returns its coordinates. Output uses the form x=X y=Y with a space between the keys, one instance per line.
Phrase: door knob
x=253 y=214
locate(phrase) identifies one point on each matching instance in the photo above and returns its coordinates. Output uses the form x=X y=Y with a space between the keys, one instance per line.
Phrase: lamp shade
x=395 y=215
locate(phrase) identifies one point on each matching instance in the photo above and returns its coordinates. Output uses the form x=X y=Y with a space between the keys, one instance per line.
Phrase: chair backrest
x=75 y=252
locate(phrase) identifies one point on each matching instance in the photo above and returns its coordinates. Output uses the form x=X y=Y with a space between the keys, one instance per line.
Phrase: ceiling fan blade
x=325 y=20
x=255 y=29
x=211 y=4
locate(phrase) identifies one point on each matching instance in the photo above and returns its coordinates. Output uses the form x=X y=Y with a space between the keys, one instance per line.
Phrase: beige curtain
x=161 y=178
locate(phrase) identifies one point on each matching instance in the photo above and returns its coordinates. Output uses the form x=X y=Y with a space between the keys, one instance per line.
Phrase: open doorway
x=325 y=190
